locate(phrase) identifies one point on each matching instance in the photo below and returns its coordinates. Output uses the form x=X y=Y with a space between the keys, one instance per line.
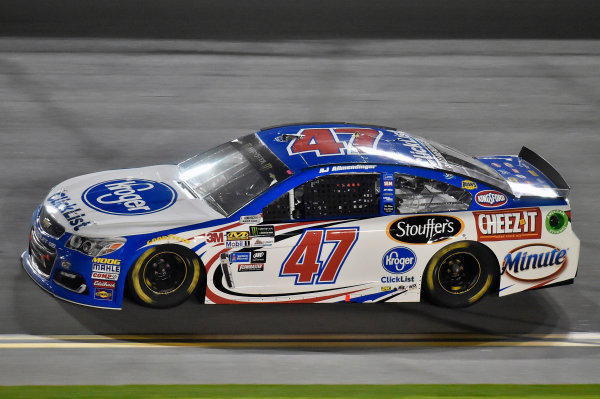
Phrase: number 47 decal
x=304 y=261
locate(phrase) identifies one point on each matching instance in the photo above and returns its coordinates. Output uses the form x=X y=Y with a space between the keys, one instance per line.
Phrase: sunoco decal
x=490 y=198
x=426 y=229
x=399 y=260
x=510 y=224
x=534 y=262
x=129 y=197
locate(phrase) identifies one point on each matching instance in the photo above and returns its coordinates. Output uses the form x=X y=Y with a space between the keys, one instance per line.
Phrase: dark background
x=308 y=19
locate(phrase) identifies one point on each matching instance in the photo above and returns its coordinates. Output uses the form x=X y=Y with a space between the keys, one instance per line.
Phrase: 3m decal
x=510 y=224
x=129 y=197
x=426 y=229
x=399 y=260
x=105 y=284
x=251 y=267
x=238 y=235
x=534 y=262
x=304 y=261
x=490 y=198
x=214 y=237
x=262 y=231
x=103 y=294
x=334 y=141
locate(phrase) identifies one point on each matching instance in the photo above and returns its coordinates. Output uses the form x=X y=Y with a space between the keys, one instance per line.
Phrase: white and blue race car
x=319 y=212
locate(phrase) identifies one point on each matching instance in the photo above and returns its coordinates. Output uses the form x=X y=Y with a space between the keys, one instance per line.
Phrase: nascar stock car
x=319 y=212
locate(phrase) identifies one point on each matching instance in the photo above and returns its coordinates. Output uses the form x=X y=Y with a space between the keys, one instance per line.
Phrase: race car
x=314 y=212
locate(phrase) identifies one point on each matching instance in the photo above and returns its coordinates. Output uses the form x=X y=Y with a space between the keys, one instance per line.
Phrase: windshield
x=232 y=174
x=466 y=165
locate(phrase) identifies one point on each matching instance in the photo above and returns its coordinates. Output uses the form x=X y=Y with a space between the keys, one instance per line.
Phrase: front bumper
x=65 y=273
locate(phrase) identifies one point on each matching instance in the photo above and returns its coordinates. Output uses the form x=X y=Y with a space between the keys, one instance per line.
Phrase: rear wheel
x=164 y=276
x=459 y=275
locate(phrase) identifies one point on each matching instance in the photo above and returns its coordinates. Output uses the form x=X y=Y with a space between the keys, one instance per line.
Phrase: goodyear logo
x=168 y=238
x=238 y=235
x=106 y=261
x=469 y=185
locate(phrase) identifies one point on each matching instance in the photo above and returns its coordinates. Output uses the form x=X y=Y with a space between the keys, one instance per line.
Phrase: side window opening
x=415 y=194
x=328 y=196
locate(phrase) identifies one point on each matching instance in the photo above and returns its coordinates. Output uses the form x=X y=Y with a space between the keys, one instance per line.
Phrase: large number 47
x=304 y=262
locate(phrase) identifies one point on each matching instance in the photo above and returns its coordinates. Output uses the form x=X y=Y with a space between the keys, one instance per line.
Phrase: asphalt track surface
x=69 y=107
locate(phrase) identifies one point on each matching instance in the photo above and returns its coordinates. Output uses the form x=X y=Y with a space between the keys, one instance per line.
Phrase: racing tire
x=460 y=274
x=165 y=276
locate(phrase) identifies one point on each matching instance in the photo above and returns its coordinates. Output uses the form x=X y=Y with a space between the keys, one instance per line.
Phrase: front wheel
x=164 y=276
x=459 y=275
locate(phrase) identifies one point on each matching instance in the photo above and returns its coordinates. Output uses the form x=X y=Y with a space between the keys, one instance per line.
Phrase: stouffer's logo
x=534 y=262
x=129 y=197
x=425 y=229
x=490 y=198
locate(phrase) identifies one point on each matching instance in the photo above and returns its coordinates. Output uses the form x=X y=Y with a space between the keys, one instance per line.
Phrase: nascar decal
x=510 y=224
x=304 y=261
x=490 y=198
x=425 y=229
x=69 y=210
x=534 y=262
x=129 y=197
x=334 y=141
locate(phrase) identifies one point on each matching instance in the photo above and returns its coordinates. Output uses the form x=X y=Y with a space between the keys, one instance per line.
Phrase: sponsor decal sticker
x=105 y=284
x=251 y=267
x=556 y=221
x=388 y=208
x=263 y=241
x=426 y=229
x=237 y=235
x=170 y=237
x=262 y=231
x=399 y=260
x=532 y=173
x=509 y=224
x=104 y=294
x=259 y=257
x=496 y=165
x=237 y=244
x=388 y=183
x=490 y=198
x=106 y=268
x=107 y=261
x=386 y=288
x=105 y=276
x=448 y=176
x=69 y=210
x=510 y=165
x=534 y=262
x=397 y=279
x=512 y=179
x=469 y=185
x=251 y=219
x=214 y=237
x=238 y=257
x=129 y=197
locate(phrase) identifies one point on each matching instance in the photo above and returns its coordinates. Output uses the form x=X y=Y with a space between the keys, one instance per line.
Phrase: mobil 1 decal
x=509 y=224
x=535 y=262
x=424 y=229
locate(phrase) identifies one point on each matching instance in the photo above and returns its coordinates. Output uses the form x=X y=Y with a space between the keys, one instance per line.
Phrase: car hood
x=125 y=202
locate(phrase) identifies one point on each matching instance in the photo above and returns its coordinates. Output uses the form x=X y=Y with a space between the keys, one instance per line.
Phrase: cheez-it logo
x=509 y=224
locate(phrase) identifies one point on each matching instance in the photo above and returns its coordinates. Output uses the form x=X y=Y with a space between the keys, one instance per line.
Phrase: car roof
x=299 y=146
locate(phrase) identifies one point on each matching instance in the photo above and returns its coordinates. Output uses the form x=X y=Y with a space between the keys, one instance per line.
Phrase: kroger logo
x=399 y=260
x=129 y=197
x=490 y=198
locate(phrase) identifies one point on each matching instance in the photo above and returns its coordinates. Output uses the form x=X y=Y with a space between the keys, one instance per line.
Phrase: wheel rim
x=165 y=272
x=459 y=273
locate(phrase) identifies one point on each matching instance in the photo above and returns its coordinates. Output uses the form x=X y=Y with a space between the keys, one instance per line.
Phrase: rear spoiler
x=543 y=166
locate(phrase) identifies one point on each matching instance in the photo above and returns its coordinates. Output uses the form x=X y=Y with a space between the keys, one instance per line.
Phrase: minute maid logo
x=129 y=197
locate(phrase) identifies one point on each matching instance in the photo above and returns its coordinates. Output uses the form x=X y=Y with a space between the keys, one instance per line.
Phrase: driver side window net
x=421 y=195
x=328 y=196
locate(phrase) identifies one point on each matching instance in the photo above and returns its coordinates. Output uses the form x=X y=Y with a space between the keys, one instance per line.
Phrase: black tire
x=165 y=276
x=459 y=274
